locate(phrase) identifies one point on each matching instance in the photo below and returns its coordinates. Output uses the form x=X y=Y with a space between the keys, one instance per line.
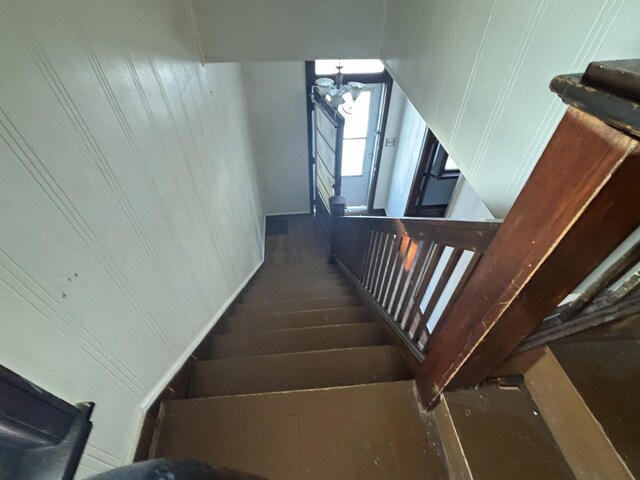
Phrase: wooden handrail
x=580 y=202
x=404 y=262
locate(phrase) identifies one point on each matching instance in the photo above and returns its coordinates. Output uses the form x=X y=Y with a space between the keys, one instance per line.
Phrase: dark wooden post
x=338 y=206
x=580 y=202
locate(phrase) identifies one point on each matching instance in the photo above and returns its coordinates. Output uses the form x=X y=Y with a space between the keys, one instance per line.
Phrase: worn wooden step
x=304 y=278
x=494 y=433
x=373 y=432
x=297 y=269
x=276 y=260
x=606 y=375
x=296 y=371
x=298 y=260
x=314 y=318
x=568 y=416
x=273 y=295
x=283 y=285
x=297 y=340
x=296 y=305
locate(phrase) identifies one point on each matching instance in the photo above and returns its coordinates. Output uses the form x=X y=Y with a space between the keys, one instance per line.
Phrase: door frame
x=382 y=77
x=423 y=175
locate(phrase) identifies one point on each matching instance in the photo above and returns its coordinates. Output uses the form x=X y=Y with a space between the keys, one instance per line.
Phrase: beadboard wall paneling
x=129 y=205
x=289 y=30
x=478 y=72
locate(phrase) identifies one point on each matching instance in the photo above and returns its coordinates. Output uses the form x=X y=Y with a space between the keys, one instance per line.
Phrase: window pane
x=328 y=67
x=357 y=116
x=450 y=165
x=353 y=157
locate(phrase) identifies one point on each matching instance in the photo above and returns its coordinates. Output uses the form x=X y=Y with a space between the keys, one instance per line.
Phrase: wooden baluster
x=366 y=255
x=396 y=269
x=377 y=236
x=379 y=261
x=391 y=263
x=391 y=241
x=415 y=250
x=445 y=276
x=475 y=259
x=419 y=265
x=434 y=259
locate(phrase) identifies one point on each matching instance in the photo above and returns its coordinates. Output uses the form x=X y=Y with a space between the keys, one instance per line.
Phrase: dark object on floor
x=277 y=226
x=168 y=469
x=41 y=435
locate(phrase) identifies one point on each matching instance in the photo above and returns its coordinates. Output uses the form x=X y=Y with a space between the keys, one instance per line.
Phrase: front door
x=360 y=141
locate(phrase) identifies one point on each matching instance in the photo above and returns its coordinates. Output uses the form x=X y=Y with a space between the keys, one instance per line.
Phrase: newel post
x=580 y=202
x=338 y=206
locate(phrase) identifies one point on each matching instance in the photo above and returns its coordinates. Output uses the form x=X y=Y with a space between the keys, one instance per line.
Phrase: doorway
x=360 y=142
x=364 y=124
x=434 y=181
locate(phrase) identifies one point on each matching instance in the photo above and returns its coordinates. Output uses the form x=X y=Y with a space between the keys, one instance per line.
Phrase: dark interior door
x=435 y=179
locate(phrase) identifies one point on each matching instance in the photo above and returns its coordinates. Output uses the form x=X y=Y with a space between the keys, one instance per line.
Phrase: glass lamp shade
x=355 y=88
x=335 y=98
x=324 y=86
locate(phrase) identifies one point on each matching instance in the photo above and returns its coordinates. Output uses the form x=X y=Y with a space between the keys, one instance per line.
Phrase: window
x=356 y=126
x=328 y=67
x=443 y=164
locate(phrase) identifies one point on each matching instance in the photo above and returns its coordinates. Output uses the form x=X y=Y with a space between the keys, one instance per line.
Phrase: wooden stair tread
x=371 y=432
x=297 y=305
x=274 y=296
x=296 y=371
x=297 y=269
x=606 y=375
x=297 y=280
x=499 y=434
x=297 y=340
x=280 y=321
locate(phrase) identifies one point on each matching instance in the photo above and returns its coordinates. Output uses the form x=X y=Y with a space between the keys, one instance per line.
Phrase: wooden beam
x=581 y=201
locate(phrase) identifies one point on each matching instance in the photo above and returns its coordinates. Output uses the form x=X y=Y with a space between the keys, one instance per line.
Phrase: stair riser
x=301 y=305
x=273 y=296
x=311 y=266
x=297 y=340
x=273 y=373
x=295 y=320
x=277 y=286
x=307 y=275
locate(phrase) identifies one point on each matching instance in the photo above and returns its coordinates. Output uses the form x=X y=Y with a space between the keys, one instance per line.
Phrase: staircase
x=303 y=382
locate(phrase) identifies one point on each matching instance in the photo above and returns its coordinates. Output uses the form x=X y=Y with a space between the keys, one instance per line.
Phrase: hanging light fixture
x=335 y=91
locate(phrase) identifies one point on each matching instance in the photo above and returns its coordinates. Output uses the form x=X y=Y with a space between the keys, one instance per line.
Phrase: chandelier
x=335 y=91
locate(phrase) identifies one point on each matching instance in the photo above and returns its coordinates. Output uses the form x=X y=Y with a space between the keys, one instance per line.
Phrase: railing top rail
x=469 y=235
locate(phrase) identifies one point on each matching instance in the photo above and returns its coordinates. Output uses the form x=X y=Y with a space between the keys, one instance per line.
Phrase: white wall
x=128 y=205
x=479 y=71
x=249 y=30
x=407 y=154
x=277 y=106
x=465 y=203
x=397 y=104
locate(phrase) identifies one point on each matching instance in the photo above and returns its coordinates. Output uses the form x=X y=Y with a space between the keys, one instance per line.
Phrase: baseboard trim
x=290 y=214
x=179 y=364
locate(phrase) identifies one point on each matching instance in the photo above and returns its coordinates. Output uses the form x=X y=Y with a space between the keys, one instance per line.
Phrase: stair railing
x=414 y=269
x=580 y=202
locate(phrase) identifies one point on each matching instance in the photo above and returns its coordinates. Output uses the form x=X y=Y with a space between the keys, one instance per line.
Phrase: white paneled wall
x=478 y=72
x=275 y=30
x=277 y=105
x=129 y=212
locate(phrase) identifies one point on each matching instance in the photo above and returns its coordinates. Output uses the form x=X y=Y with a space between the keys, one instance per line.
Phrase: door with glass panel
x=360 y=139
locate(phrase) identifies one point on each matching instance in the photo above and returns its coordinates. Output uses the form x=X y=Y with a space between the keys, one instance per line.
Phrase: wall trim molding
x=306 y=213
